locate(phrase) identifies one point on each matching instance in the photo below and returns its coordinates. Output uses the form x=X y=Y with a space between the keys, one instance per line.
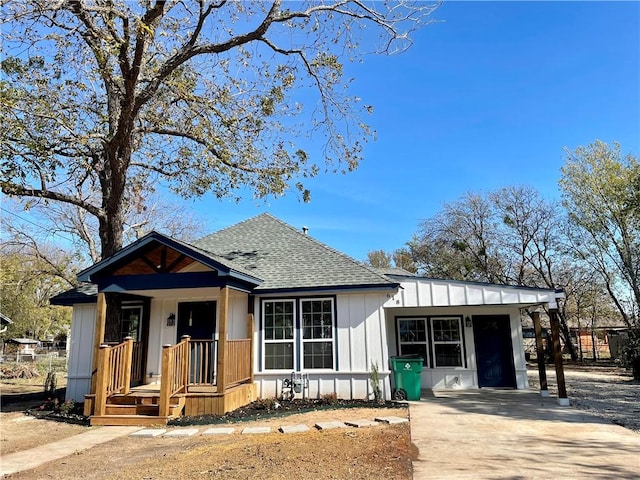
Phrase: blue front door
x=494 y=351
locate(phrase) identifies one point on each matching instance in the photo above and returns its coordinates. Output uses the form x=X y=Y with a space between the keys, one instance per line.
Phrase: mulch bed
x=270 y=408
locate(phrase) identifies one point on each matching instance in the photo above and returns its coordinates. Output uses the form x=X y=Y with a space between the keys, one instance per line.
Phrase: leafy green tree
x=378 y=259
x=102 y=100
x=402 y=259
x=600 y=192
x=26 y=284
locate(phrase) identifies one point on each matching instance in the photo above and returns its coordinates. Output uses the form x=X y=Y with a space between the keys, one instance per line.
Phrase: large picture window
x=317 y=333
x=447 y=342
x=412 y=334
x=279 y=328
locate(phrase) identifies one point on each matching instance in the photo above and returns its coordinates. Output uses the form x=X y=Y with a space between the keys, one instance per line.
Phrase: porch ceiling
x=425 y=292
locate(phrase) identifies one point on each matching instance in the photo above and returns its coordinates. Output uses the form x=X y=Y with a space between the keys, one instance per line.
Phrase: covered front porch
x=198 y=376
x=184 y=326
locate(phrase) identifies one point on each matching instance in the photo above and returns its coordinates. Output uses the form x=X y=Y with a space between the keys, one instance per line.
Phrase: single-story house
x=262 y=309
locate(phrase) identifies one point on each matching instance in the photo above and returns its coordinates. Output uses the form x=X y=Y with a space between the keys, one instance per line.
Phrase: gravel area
x=608 y=392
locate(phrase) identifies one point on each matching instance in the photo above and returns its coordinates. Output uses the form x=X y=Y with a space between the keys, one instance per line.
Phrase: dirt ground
x=606 y=391
x=22 y=432
x=367 y=453
x=383 y=451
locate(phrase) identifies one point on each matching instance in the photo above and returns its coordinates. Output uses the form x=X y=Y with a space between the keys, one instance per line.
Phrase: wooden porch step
x=148 y=410
x=117 y=409
x=135 y=399
x=130 y=420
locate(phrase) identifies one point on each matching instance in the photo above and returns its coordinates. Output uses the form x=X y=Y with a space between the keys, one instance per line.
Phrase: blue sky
x=487 y=98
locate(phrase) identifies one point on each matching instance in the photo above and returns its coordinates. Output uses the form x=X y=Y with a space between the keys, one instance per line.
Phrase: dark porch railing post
x=557 y=355
x=542 y=368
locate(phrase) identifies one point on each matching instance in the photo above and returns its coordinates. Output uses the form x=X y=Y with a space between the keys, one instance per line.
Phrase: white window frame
x=291 y=340
x=303 y=341
x=450 y=342
x=424 y=342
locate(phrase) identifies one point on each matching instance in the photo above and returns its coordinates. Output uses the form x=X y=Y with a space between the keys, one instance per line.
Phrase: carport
x=470 y=333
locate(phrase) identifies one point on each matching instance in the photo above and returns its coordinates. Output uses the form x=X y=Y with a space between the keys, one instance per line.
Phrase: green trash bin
x=406 y=371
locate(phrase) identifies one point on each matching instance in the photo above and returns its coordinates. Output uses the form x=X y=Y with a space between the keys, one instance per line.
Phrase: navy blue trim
x=131 y=251
x=71 y=301
x=163 y=281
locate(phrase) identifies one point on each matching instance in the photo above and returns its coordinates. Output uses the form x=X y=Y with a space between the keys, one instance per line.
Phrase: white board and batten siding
x=423 y=292
x=360 y=341
x=80 y=361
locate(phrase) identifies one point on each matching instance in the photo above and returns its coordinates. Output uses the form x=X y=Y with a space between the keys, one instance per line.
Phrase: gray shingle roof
x=286 y=258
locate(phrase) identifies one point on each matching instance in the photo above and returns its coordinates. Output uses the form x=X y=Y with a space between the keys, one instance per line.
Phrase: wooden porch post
x=128 y=357
x=557 y=356
x=222 y=339
x=186 y=362
x=542 y=368
x=102 y=378
x=101 y=318
x=166 y=380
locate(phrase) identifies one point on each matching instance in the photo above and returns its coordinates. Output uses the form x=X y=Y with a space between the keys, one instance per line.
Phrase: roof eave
x=326 y=288
x=224 y=270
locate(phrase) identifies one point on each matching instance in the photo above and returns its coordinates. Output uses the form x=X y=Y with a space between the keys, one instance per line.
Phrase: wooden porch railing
x=203 y=357
x=238 y=361
x=114 y=372
x=193 y=363
x=175 y=373
x=137 y=363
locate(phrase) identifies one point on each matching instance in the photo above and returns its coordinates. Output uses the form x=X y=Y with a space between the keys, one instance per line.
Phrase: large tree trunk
x=112 y=330
x=111 y=229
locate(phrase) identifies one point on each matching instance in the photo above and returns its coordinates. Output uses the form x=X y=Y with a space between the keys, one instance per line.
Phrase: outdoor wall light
x=171 y=320
x=467 y=321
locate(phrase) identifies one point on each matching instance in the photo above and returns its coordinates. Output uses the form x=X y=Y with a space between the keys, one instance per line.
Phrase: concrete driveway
x=517 y=435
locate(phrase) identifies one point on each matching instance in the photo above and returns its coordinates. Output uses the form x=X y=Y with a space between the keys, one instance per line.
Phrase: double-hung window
x=438 y=340
x=412 y=334
x=317 y=333
x=279 y=334
x=447 y=341
x=300 y=325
